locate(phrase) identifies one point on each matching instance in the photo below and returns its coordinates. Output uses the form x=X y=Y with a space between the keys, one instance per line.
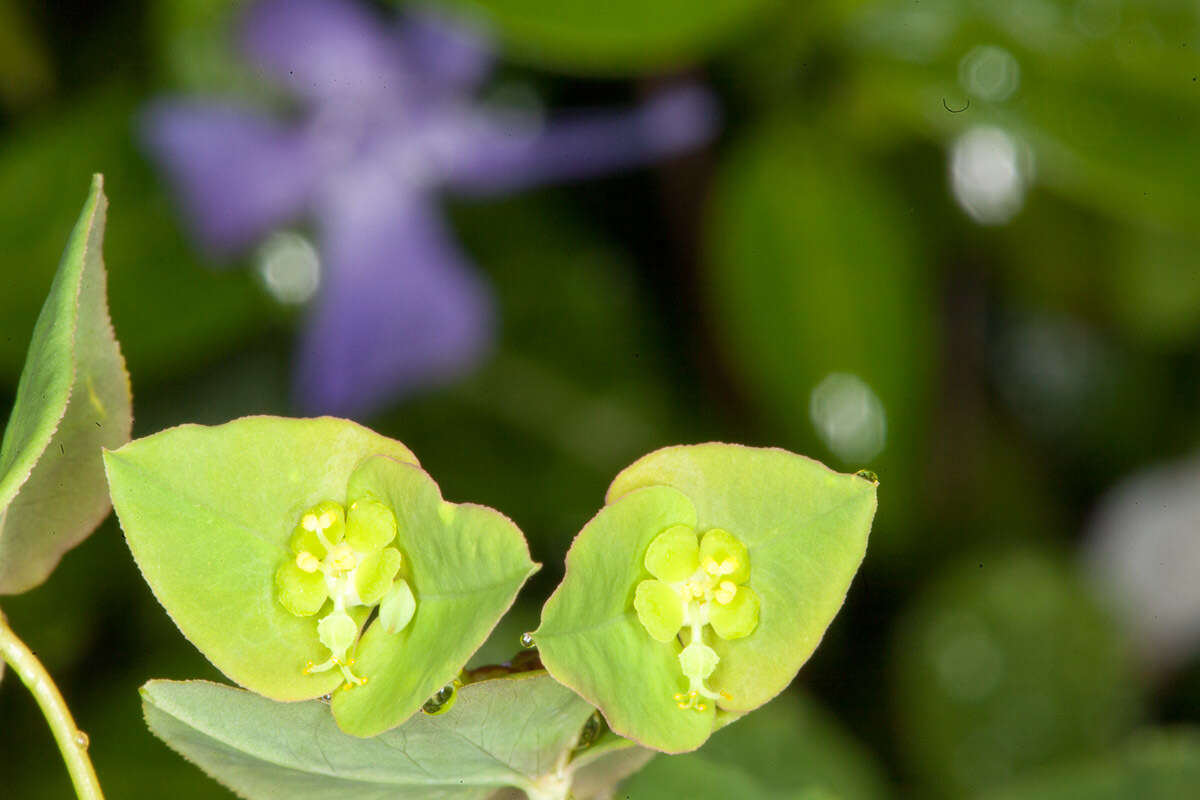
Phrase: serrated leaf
x=504 y=732
x=465 y=565
x=73 y=399
x=208 y=512
x=805 y=528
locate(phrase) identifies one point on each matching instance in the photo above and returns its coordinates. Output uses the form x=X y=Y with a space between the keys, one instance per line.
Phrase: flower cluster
x=697 y=581
x=343 y=562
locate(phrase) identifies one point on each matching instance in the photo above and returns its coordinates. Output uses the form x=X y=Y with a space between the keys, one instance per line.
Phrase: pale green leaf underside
x=590 y=637
x=806 y=530
x=465 y=564
x=504 y=732
x=207 y=512
x=73 y=399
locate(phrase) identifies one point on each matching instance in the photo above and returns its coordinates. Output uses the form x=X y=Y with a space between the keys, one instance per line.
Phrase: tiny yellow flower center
x=699 y=582
x=343 y=558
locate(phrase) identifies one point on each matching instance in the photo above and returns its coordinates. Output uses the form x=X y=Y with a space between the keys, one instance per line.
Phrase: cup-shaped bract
x=270 y=542
x=772 y=540
x=73 y=398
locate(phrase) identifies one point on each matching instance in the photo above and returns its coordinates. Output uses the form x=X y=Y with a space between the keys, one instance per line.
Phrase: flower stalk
x=72 y=742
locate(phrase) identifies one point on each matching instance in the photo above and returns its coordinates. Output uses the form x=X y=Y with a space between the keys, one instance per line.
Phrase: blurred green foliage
x=1026 y=321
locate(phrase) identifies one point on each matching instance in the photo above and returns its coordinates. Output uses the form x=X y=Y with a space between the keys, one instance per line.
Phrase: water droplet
x=868 y=475
x=527 y=640
x=441 y=702
x=591 y=731
x=81 y=740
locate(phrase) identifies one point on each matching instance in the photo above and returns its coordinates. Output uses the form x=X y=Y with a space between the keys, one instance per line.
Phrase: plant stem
x=72 y=742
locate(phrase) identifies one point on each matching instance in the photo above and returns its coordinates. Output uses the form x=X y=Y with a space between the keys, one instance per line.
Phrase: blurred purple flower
x=388 y=120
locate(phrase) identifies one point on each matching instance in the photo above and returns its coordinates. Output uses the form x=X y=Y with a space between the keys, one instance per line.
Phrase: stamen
x=729 y=565
x=307 y=562
x=726 y=593
x=711 y=566
x=310 y=522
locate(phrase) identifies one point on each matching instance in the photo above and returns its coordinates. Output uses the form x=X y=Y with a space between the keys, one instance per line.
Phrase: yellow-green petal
x=737 y=619
x=722 y=547
x=370 y=525
x=398 y=607
x=673 y=555
x=302 y=593
x=374 y=575
x=659 y=609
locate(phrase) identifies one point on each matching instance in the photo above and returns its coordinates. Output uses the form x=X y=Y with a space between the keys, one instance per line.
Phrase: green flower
x=342 y=561
x=710 y=574
x=697 y=582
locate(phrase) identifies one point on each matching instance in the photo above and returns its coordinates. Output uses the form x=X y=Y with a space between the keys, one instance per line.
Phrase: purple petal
x=237 y=174
x=323 y=49
x=400 y=309
x=445 y=53
x=506 y=157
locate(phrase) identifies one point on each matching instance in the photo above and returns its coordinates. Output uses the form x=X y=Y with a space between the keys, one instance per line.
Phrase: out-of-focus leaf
x=171 y=310
x=789 y=749
x=1103 y=93
x=1006 y=663
x=619 y=36
x=73 y=400
x=502 y=732
x=1154 y=289
x=1160 y=764
x=825 y=309
x=25 y=71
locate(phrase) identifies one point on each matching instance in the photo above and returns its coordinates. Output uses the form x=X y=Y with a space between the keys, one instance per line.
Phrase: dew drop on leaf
x=868 y=475
x=527 y=640
x=441 y=702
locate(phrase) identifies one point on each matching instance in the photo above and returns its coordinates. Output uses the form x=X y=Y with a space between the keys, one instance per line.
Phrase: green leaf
x=591 y=639
x=619 y=36
x=464 y=563
x=73 y=399
x=805 y=527
x=504 y=732
x=208 y=513
x=1161 y=764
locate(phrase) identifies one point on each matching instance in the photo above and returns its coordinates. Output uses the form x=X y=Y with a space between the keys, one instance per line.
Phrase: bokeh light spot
x=289 y=268
x=849 y=417
x=989 y=172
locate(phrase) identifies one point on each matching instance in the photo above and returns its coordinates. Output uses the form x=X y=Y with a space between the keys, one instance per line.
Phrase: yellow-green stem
x=71 y=741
